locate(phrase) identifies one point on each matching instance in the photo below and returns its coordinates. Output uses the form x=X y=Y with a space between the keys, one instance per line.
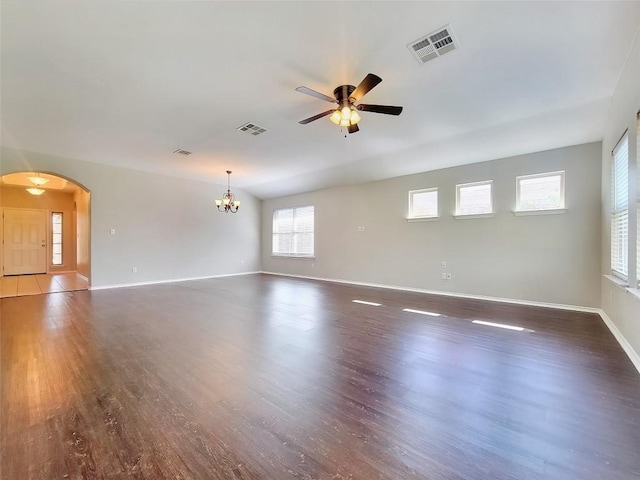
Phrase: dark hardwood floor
x=264 y=377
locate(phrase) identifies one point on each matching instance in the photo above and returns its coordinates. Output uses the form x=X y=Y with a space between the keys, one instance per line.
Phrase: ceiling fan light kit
x=346 y=96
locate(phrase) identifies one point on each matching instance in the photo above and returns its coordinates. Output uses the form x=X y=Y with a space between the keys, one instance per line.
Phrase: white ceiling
x=127 y=83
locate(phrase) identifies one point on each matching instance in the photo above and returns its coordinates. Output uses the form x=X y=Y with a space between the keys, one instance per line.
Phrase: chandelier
x=228 y=202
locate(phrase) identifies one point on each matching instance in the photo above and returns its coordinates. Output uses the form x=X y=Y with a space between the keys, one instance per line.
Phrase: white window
x=293 y=232
x=423 y=203
x=542 y=191
x=474 y=198
x=56 y=238
x=620 y=209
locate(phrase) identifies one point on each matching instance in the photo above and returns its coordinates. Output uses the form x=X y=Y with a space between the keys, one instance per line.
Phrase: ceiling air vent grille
x=182 y=152
x=252 y=129
x=433 y=45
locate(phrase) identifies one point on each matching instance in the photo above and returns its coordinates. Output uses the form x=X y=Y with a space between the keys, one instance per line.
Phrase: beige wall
x=166 y=227
x=83 y=225
x=18 y=197
x=620 y=305
x=542 y=258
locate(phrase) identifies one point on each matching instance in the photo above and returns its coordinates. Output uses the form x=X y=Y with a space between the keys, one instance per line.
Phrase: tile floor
x=19 y=285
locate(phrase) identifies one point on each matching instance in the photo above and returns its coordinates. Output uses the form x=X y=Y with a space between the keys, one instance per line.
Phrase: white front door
x=25 y=241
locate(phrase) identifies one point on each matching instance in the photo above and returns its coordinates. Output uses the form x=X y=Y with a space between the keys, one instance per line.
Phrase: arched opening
x=45 y=232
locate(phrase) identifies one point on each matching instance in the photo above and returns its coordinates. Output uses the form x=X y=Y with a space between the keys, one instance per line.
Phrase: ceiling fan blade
x=313 y=93
x=386 y=109
x=316 y=117
x=353 y=128
x=365 y=86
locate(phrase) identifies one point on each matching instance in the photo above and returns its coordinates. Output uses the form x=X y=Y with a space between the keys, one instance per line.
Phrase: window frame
x=293 y=233
x=560 y=209
x=638 y=201
x=616 y=212
x=460 y=186
x=54 y=243
x=412 y=193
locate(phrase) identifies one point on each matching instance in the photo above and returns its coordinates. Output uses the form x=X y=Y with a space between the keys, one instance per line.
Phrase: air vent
x=181 y=152
x=433 y=45
x=252 y=129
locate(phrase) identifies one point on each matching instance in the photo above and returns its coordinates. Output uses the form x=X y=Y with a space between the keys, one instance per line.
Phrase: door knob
x=44 y=244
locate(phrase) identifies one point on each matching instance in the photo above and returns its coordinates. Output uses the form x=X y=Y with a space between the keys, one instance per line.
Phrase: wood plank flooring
x=265 y=377
x=19 y=285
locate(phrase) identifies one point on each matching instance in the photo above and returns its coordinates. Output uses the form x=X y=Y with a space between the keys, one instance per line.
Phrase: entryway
x=44 y=230
x=19 y=285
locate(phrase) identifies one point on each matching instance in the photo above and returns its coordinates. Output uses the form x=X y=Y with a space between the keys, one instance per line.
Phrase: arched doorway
x=45 y=231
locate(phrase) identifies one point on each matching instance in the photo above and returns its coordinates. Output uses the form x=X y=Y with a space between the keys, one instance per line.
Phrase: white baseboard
x=626 y=346
x=173 y=280
x=576 y=308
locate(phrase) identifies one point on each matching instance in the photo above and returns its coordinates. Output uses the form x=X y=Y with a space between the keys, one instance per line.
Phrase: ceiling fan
x=346 y=96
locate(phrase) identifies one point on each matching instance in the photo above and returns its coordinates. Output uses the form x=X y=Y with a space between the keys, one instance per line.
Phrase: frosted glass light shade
x=38 y=181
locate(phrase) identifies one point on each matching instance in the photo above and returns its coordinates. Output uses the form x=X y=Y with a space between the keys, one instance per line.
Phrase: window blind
x=423 y=203
x=293 y=232
x=542 y=191
x=620 y=209
x=474 y=198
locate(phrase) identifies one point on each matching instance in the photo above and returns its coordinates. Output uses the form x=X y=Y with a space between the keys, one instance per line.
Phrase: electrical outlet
x=134 y=269
x=112 y=231
x=448 y=276
x=444 y=264
x=444 y=276
x=361 y=228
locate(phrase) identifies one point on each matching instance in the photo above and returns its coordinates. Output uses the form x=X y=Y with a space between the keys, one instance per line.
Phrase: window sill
x=554 y=211
x=297 y=257
x=618 y=281
x=635 y=292
x=476 y=215
x=422 y=219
